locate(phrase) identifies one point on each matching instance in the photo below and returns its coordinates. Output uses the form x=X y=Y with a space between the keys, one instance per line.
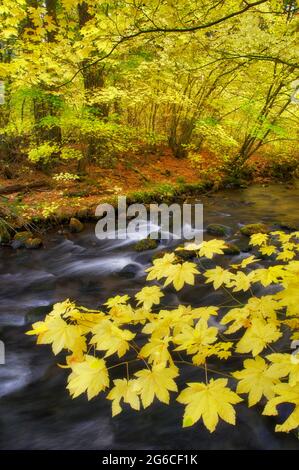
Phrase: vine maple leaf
x=245 y=262
x=156 y=350
x=59 y=333
x=257 y=336
x=258 y=239
x=211 y=248
x=286 y=394
x=117 y=300
x=218 y=276
x=108 y=337
x=157 y=381
x=161 y=267
x=126 y=390
x=193 y=338
x=268 y=250
x=91 y=376
x=149 y=296
x=240 y=281
x=181 y=274
x=209 y=402
x=283 y=365
x=256 y=380
x=273 y=274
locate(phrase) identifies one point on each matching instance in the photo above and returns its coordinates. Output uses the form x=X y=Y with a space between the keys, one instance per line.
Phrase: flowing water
x=36 y=411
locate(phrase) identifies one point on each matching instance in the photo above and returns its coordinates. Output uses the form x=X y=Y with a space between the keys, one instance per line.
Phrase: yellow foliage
x=210 y=402
x=170 y=338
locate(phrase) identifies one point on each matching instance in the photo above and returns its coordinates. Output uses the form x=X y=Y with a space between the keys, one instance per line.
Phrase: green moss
x=33 y=243
x=75 y=225
x=217 y=229
x=251 y=229
x=22 y=236
x=231 y=249
x=4 y=235
x=146 y=244
x=184 y=254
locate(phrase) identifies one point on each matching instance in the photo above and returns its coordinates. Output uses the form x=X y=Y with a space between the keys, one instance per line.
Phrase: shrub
x=43 y=153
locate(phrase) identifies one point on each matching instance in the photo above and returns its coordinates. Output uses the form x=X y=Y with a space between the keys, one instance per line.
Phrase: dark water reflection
x=36 y=411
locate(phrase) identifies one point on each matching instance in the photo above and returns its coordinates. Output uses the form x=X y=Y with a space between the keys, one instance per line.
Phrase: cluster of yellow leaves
x=163 y=340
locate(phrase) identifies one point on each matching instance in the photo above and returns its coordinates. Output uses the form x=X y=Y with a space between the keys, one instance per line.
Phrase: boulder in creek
x=129 y=271
x=33 y=243
x=218 y=230
x=146 y=244
x=186 y=255
x=75 y=225
x=20 y=238
x=231 y=249
x=251 y=229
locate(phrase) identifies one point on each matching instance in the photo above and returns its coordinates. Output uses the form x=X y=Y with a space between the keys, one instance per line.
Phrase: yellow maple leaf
x=126 y=390
x=283 y=365
x=156 y=350
x=286 y=255
x=273 y=274
x=181 y=274
x=286 y=394
x=91 y=376
x=38 y=328
x=238 y=317
x=258 y=239
x=149 y=296
x=117 y=300
x=209 y=402
x=268 y=250
x=245 y=262
x=211 y=248
x=218 y=276
x=192 y=338
x=203 y=312
x=289 y=298
x=60 y=334
x=255 y=379
x=257 y=337
x=157 y=381
x=239 y=281
x=108 y=337
x=161 y=267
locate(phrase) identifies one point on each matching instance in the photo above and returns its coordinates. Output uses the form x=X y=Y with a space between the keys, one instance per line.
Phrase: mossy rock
x=75 y=225
x=22 y=236
x=4 y=235
x=146 y=244
x=186 y=254
x=20 y=239
x=231 y=249
x=217 y=230
x=251 y=229
x=33 y=243
x=129 y=271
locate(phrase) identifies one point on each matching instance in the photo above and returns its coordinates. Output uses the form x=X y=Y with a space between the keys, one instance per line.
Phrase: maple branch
x=266 y=58
x=162 y=30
